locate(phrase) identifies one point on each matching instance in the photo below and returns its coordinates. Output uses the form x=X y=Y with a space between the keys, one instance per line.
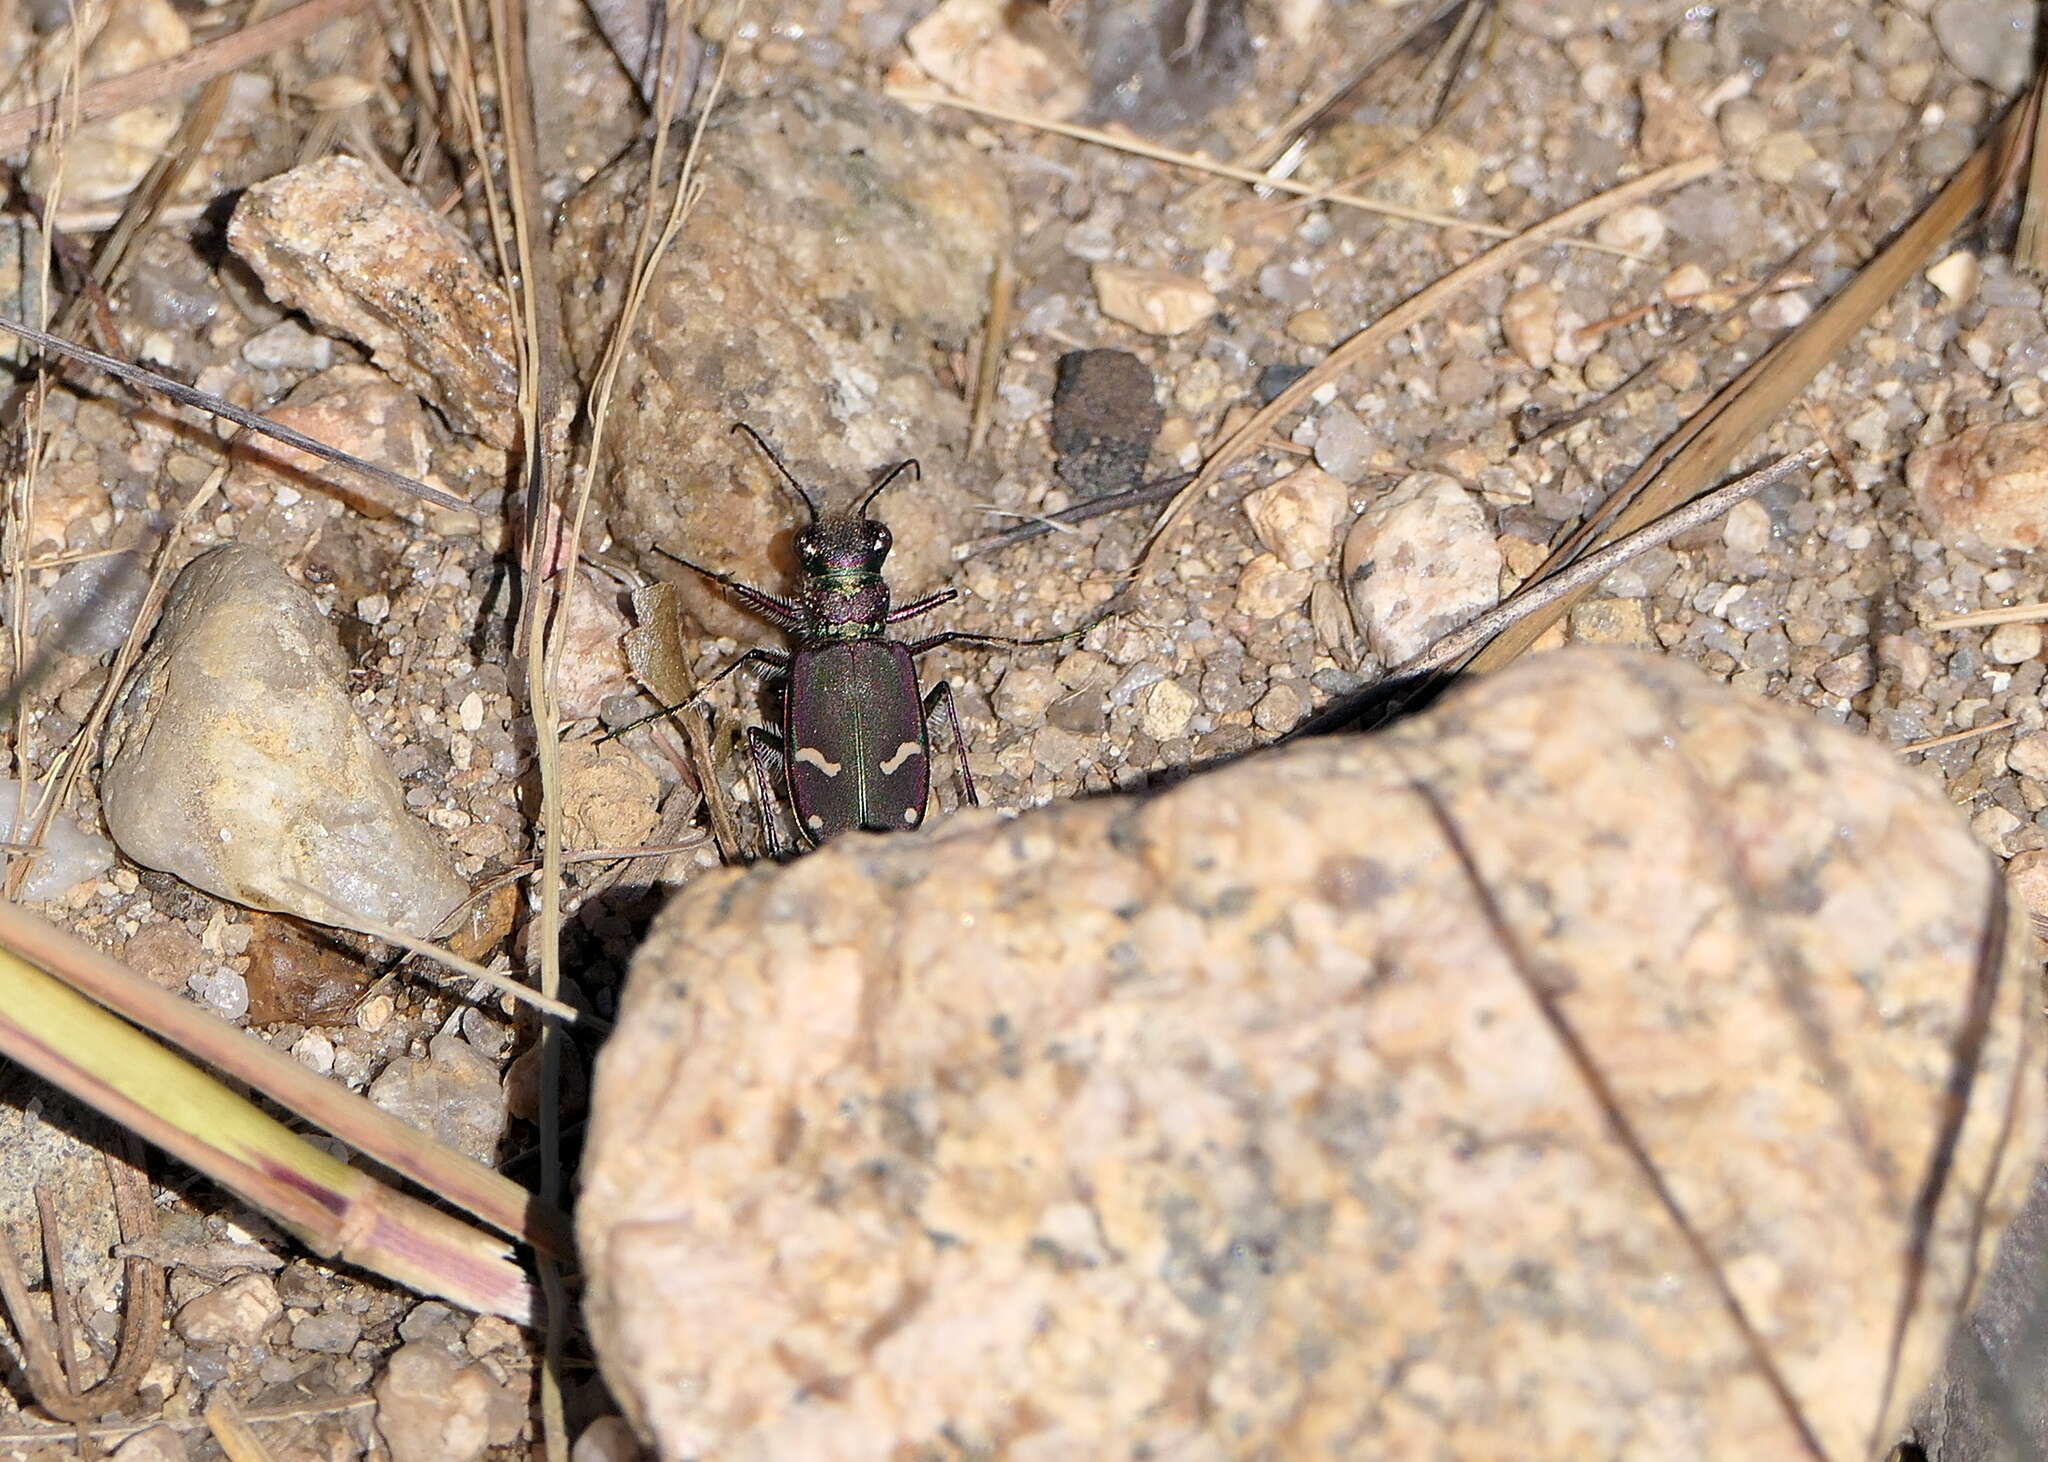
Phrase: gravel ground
x=1836 y=119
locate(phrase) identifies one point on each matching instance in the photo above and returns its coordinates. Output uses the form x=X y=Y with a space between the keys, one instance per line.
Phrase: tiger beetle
x=855 y=745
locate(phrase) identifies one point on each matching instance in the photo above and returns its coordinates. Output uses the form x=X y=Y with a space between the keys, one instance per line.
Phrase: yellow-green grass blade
x=339 y=1212
x=449 y=1175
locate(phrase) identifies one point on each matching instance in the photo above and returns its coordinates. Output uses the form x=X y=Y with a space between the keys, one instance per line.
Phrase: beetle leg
x=778 y=612
x=922 y=606
x=771 y=658
x=764 y=749
x=988 y=642
x=940 y=699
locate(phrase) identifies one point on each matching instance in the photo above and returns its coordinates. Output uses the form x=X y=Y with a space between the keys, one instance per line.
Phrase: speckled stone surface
x=370 y=260
x=1224 y=1124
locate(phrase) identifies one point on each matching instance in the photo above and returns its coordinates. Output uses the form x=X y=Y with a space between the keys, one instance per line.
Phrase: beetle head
x=842 y=545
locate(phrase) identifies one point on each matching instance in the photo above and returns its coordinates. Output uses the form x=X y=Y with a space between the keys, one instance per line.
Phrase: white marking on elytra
x=903 y=754
x=910 y=814
x=816 y=758
x=815 y=821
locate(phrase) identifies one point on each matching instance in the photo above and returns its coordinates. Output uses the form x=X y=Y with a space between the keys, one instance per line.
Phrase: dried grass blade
x=2030 y=245
x=118 y=94
x=467 y=1184
x=1196 y=162
x=1705 y=446
x=100 y=1059
x=1411 y=311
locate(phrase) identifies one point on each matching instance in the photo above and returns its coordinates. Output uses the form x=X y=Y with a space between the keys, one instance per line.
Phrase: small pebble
x=453 y=1094
x=2013 y=644
x=1267 y=588
x=1747 y=528
x=1851 y=674
x=1780 y=310
x=1956 y=276
x=1311 y=327
x=330 y=1333
x=2026 y=878
x=1152 y=300
x=1343 y=446
x=288 y=346
x=1418 y=563
x=1166 y=711
x=1025 y=692
x=1528 y=321
x=236 y=1314
x=1780 y=156
x=1296 y=517
x=2028 y=756
x=1279 y=709
x=1639 y=229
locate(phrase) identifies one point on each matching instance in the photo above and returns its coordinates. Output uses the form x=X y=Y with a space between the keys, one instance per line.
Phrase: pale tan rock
x=1232 y=1122
x=1419 y=563
x=1674 y=127
x=103 y=160
x=593 y=662
x=362 y=411
x=235 y=759
x=1165 y=711
x=1528 y=321
x=1267 y=588
x=236 y=1314
x=433 y=1408
x=1988 y=484
x=1297 y=516
x=372 y=261
x=609 y=796
x=1013 y=56
x=1956 y=275
x=1152 y=300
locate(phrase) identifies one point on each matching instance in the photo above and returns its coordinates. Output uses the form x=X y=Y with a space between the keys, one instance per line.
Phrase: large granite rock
x=1552 y=1076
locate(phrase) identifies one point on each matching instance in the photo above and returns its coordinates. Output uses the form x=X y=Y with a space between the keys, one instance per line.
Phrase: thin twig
x=1196 y=162
x=1596 y=566
x=1044 y=523
x=2007 y=614
x=989 y=361
x=1411 y=311
x=1956 y=736
x=213 y=405
x=391 y=934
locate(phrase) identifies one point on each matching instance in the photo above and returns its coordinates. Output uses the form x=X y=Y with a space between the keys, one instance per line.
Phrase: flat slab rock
x=235 y=760
x=1249 y=1119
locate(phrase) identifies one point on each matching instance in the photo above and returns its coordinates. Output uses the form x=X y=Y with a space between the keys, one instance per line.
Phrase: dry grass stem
x=2008 y=614
x=1404 y=316
x=1953 y=737
x=231 y=1430
x=1703 y=447
x=505 y=984
x=466 y=1184
x=1197 y=162
x=988 y=365
x=118 y=94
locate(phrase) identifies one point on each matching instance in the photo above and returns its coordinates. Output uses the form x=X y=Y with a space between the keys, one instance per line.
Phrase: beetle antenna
x=787 y=475
x=908 y=464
